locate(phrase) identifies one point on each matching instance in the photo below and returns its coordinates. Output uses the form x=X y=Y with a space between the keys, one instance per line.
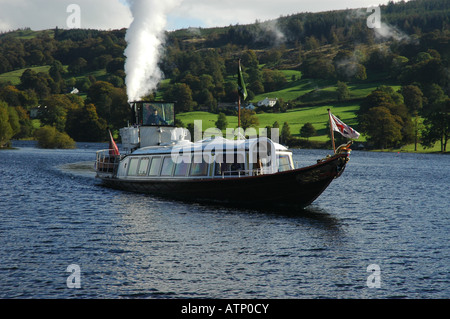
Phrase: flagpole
x=239 y=99
x=239 y=112
x=331 y=131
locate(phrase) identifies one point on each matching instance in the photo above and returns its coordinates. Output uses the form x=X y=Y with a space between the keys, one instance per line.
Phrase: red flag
x=113 y=149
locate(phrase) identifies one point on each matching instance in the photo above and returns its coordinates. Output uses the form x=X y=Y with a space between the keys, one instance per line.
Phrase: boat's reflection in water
x=312 y=214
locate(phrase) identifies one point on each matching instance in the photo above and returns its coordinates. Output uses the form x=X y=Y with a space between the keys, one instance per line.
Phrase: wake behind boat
x=160 y=159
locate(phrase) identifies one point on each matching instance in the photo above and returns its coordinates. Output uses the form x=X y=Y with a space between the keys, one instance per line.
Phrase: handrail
x=244 y=172
x=105 y=162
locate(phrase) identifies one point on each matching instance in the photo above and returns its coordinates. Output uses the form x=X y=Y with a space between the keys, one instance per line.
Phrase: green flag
x=241 y=84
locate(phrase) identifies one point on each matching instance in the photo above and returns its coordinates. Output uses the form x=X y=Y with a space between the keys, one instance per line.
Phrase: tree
x=50 y=137
x=383 y=128
x=318 y=67
x=56 y=71
x=100 y=94
x=84 y=125
x=273 y=80
x=384 y=101
x=248 y=119
x=14 y=120
x=342 y=91
x=307 y=130
x=39 y=82
x=54 y=111
x=182 y=94
x=285 y=135
x=6 y=131
x=413 y=97
x=78 y=66
x=437 y=125
x=26 y=126
x=221 y=122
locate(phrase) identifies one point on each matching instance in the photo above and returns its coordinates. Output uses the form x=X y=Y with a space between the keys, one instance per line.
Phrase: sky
x=115 y=14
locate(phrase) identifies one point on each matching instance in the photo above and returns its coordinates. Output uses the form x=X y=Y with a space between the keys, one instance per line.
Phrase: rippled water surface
x=387 y=209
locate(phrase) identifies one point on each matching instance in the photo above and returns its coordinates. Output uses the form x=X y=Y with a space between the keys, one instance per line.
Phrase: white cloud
x=113 y=14
x=213 y=13
x=47 y=14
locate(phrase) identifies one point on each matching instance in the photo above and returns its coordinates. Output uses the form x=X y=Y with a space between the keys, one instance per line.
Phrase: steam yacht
x=160 y=159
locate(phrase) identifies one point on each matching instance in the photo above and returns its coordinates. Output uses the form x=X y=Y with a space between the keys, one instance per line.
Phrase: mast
x=239 y=95
x=239 y=112
x=242 y=91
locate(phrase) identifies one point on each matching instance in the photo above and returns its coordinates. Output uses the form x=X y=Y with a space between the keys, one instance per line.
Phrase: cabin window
x=182 y=168
x=167 y=167
x=284 y=163
x=143 y=166
x=154 y=167
x=199 y=166
x=133 y=166
x=230 y=168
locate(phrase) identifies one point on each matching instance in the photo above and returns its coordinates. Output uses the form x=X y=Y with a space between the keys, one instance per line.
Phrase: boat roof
x=216 y=143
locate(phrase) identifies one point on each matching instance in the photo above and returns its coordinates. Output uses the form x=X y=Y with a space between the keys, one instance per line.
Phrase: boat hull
x=298 y=187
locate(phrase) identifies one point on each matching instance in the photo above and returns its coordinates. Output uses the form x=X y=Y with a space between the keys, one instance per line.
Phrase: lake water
x=390 y=210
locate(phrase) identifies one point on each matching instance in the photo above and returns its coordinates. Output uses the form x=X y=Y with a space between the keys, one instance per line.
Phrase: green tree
x=54 y=110
x=6 y=131
x=14 y=120
x=222 y=121
x=100 y=94
x=342 y=91
x=38 y=82
x=413 y=97
x=78 y=66
x=56 y=71
x=26 y=126
x=84 y=125
x=182 y=94
x=397 y=126
x=433 y=94
x=50 y=137
x=307 y=130
x=318 y=67
x=248 y=119
x=383 y=128
x=437 y=125
x=285 y=134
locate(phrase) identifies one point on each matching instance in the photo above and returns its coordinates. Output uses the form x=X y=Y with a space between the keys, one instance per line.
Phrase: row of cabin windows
x=165 y=166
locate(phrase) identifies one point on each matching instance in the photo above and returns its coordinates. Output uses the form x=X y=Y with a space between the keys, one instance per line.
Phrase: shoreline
x=401 y=150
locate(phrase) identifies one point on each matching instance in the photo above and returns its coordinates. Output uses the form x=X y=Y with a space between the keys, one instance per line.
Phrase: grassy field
x=14 y=76
x=296 y=118
x=317 y=91
x=420 y=149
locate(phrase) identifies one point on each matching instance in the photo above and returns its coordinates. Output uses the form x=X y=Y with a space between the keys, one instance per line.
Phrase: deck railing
x=106 y=163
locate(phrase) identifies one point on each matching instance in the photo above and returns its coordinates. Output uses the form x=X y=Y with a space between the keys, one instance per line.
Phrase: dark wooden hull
x=299 y=187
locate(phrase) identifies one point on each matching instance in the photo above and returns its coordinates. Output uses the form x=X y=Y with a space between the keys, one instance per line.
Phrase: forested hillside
x=390 y=83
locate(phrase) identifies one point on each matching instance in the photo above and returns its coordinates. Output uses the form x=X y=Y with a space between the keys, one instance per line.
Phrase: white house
x=268 y=102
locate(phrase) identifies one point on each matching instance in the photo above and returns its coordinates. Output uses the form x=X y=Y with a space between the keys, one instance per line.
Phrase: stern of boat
x=106 y=164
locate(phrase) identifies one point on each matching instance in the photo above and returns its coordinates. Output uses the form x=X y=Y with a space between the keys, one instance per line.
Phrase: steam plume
x=145 y=38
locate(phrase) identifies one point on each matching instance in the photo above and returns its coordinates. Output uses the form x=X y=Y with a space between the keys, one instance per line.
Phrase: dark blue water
x=387 y=209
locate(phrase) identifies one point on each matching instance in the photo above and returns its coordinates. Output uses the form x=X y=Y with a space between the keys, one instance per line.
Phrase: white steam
x=145 y=38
